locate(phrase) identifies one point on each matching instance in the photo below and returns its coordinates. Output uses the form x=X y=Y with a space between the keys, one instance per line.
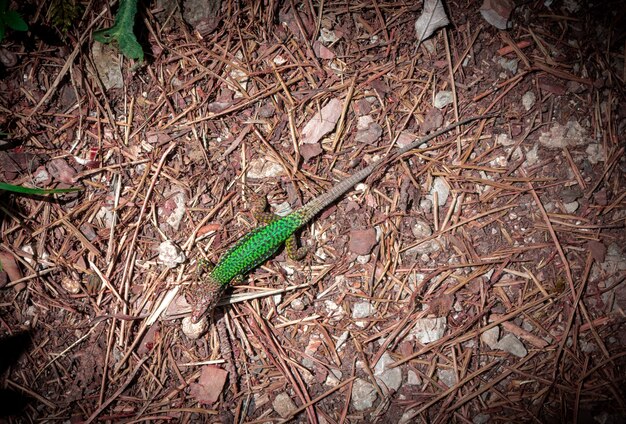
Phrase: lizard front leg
x=263 y=217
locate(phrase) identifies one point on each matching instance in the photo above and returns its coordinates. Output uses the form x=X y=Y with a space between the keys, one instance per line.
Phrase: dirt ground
x=479 y=278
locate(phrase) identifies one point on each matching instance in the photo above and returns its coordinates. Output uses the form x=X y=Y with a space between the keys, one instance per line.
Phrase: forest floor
x=479 y=278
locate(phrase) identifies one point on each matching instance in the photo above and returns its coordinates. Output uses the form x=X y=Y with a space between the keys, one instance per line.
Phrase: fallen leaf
x=322 y=51
x=322 y=123
x=432 y=18
x=497 y=12
x=368 y=131
x=309 y=151
x=597 y=250
x=209 y=386
x=362 y=241
x=9 y=265
x=432 y=121
x=61 y=171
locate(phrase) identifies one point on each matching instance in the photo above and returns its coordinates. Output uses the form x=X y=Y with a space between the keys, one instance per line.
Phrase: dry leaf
x=10 y=266
x=498 y=12
x=322 y=123
x=211 y=383
x=432 y=18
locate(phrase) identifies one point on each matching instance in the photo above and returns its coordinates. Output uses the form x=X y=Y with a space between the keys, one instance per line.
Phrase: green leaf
x=122 y=31
x=14 y=21
x=37 y=191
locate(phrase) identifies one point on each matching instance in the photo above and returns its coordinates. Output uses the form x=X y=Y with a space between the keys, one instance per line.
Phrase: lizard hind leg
x=293 y=251
x=259 y=206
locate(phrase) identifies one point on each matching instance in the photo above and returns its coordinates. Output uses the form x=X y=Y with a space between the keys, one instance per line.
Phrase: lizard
x=258 y=245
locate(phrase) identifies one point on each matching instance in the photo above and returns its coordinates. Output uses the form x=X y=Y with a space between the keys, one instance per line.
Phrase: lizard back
x=255 y=248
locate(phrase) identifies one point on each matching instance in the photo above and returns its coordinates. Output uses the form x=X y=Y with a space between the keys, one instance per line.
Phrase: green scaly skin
x=257 y=246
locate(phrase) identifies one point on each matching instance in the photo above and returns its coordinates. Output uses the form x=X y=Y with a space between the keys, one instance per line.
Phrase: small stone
x=571 y=207
x=297 y=305
x=390 y=377
x=106 y=60
x=481 y=418
x=532 y=156
x=106 y=216
x=283 y=405
x=342 y=339
x=41 y=177
x=511 y=344
x=413 y=379
x=504 y=140
x=443 y=99
x=363 y=395
x=331 y=380
x=528 y=100
x=170 y=254
x=194 y=331
x=421 y=230
x=508 y=64
x=447 y=377
x=442 y=189
x=560 y=136
x=428 y=330
x=426 y=204
x=425 y=248
x=491 y=336
x=407 y=417
x=8 y=58
x=362 y=310
x=595 y=154
x=333 y=310
x=261 y=168
x=368 y=131
x=569 y=194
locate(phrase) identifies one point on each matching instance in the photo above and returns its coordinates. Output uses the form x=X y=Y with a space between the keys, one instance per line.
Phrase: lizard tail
x=313 y=207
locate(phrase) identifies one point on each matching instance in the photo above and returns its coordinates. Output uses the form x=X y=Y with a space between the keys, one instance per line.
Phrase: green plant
x=36 y=191
x=10 y=18
x=122 y=31
x=64 y=13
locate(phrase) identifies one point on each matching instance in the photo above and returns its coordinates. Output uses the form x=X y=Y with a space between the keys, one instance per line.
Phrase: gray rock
x=390 y=377
x=362 y=310
x=528 y=100
x=447 y=377
x=441 y=188
x=571 y=207
x=490 y=337
x=481 y=418
x=511 y=344
x=283 y=405
x=170 y=254
x=443 y=99
x=428 y=330
x=509 y=65
x=363 y=395
x=560 y=136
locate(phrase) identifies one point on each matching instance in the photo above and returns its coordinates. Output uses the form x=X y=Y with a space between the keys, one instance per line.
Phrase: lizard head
x=203 y=297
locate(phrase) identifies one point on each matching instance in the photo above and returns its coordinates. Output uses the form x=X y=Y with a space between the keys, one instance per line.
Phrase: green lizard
x=255 y=247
